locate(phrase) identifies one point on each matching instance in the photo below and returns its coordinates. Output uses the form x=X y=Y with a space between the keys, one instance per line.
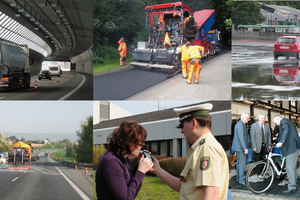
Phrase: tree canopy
x=246 y=13
x=84 y=150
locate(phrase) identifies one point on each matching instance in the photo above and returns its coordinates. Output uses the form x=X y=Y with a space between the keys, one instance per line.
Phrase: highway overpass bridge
x=54 y=30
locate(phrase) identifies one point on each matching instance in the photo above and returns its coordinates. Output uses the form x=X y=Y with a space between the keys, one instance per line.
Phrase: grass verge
x=154 y=188
x=62 y=155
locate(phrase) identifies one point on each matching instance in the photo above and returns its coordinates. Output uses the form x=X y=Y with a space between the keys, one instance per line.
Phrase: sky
x=139 y=107
x=43 y=116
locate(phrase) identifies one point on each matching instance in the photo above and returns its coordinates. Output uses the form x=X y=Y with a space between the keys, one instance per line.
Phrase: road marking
x=74 y=90
x=14 y=179
x=2 y=97
x=81 y=194
x=45 y=84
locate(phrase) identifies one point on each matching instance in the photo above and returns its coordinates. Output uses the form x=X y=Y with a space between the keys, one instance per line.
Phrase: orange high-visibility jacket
x=122 y=48
x=184 y=53
x=194 y=51
x=167 y=40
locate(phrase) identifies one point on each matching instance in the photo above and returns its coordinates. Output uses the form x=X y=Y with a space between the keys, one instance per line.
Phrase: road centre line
x=80 y=193
x=15 y=179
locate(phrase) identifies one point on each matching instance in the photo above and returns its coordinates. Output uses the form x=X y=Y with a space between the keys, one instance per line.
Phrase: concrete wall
x=253 y=35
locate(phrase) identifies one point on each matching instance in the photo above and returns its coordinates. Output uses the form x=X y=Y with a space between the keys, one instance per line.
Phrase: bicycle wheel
x=260 y=177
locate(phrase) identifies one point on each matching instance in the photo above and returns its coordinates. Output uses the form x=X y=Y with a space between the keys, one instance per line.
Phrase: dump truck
x=19 y=155
x=168 y=21
x=14 y=66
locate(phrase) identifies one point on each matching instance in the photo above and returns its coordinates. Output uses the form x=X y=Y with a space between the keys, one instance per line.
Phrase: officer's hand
x=279 y=144
x=156 y=166
x=269 y=147
x=246 y=151
x=145 y=164
x=254 y=149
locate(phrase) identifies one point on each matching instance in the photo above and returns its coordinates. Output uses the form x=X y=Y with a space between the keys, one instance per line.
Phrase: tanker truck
x=14 y=66
x=19 y=155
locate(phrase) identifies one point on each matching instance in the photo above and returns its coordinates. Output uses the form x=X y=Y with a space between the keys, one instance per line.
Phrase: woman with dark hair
x=114 y=177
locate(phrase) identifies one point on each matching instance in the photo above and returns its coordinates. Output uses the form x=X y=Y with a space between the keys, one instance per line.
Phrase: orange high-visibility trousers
x=195 y=65
x=185 y=68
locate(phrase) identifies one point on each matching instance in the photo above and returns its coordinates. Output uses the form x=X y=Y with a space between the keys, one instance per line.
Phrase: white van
x=54 y=70
x=2 y=159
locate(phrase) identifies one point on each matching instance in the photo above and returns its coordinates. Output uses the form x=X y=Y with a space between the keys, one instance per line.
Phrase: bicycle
x=261 y=182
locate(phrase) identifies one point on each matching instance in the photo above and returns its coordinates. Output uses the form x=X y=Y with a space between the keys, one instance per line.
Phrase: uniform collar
x=196 y=144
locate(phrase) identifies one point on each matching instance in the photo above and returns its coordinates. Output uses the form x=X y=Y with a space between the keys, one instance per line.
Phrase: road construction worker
x=123 y=50
x=195 y=62
x=167 y=40
x=185 y=56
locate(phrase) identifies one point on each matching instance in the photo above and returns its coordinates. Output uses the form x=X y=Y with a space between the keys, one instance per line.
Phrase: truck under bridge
x=54 y=30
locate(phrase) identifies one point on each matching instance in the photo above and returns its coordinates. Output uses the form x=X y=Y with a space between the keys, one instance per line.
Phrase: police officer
x=205 y=175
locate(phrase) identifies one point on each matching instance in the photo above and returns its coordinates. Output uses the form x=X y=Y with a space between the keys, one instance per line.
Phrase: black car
x=45 y=74
x=33 y=159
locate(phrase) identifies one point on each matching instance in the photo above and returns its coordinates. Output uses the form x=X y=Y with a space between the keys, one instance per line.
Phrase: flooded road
x=256 y=75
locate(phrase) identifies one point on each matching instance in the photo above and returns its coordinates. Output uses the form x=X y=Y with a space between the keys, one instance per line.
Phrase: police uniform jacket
x=116 y=180
x=289 y=137
x=207 y=165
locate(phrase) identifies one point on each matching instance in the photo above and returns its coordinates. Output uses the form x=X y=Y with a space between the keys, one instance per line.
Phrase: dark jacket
x=288 y=135
x=116 y=180
x=240 y=140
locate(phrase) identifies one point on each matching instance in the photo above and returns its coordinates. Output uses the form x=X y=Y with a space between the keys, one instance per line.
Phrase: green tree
x=71 y=150
x=246 y=13
x=4 y=146
x=84 y=151
x=98 y=152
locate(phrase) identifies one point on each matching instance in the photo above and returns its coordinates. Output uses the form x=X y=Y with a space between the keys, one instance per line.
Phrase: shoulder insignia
x=202 y=142
x=205 y=163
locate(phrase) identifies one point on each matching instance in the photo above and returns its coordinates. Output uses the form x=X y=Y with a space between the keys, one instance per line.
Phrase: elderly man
x=205 y=175
x=289 y=143
x=240 y=144
x=260 y=138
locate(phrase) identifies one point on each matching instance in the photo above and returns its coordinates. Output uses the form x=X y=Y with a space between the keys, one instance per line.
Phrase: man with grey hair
x=240 y=144
x=260 y=138
x=289 y=143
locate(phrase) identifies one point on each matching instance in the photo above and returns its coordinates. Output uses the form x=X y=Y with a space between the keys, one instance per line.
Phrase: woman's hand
x=145 y=164
x=156 y=166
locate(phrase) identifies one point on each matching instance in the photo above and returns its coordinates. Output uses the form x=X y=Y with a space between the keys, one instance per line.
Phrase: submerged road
x=150 y=84
x=46 y=179
x=70 y=86
x=256 y=75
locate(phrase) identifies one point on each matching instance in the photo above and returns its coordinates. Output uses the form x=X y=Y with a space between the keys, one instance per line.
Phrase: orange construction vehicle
x=20 y=155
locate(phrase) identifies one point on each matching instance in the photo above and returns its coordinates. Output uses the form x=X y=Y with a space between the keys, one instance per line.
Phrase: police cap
x=192 y=111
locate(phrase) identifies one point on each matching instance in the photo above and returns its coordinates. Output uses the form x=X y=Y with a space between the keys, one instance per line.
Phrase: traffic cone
x=35 y=85
x=68 y=73
x=86 y=172
x=57 y=79
x=65 y=76
x=76 y=167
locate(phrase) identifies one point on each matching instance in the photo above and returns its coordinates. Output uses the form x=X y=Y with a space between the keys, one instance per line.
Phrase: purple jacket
x=116 y=180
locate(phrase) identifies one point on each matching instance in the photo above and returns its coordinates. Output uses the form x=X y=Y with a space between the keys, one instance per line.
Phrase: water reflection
x=267 y=80
x=287 y=73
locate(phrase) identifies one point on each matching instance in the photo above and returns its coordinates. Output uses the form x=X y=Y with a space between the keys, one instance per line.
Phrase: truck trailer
x=169 y=29
x=14 y=66
x=20 y=155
